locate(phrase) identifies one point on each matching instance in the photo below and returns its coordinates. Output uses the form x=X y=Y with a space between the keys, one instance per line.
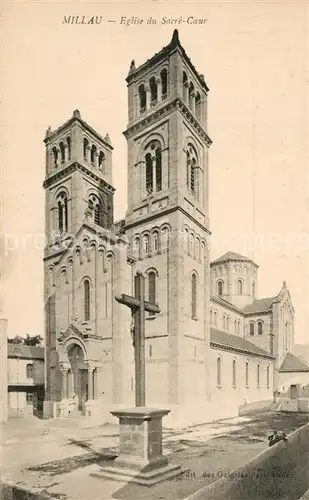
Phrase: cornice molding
x=149 y=217
x=73 y=168
x=217 y=345
x=161 y=112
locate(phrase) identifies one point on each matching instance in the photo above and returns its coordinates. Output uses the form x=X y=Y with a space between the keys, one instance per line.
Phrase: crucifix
x=138 y=306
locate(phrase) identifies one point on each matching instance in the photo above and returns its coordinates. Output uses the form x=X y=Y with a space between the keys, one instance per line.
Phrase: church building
x=215 y=346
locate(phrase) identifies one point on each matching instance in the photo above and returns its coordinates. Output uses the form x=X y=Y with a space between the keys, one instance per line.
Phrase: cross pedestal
x=140 y=457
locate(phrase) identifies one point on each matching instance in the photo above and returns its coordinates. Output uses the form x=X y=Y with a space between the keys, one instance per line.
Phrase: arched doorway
x=78 y=380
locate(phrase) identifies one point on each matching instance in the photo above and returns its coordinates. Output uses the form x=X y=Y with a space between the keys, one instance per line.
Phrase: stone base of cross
x=140 y=459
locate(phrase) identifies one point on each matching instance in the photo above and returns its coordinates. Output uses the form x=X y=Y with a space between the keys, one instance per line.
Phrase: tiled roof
x=25 y=351
x=227 y=340
x=292 y=363
x=259 y=305
x=226 y=303
x=230 y=256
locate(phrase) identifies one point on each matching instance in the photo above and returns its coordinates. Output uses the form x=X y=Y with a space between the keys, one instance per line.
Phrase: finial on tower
x=284 y=284
x=175 y=39
x=76 y=113
x=202 y=77
x=107 y=139
x=48 y=132
x=132 y=67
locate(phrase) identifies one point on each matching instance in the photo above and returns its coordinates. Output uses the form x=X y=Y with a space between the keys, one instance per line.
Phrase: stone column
x=97 y=290
x=154 y=179
x=64 y=391
x=159 y=90
x=147 y=90
x=90 y=382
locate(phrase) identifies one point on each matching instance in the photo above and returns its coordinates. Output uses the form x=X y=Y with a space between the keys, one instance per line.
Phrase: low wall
x=11 y=492
x=279 y=472
x=256 y=406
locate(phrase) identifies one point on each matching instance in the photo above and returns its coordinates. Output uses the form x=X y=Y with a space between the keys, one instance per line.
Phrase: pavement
x=59 y=461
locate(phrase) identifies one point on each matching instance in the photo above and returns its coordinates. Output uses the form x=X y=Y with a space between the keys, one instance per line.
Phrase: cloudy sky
x=254 y=56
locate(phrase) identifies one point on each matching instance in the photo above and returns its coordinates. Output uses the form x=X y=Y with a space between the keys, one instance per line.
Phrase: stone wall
x=3 y=372
x=279 y=472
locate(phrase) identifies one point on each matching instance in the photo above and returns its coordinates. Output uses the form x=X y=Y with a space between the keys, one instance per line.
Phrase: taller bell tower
x=167 y=219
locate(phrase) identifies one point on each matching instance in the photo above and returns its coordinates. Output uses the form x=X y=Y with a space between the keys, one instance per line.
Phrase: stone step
x=72 y=422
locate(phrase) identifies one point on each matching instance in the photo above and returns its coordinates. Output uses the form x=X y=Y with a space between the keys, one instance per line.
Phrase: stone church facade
x=214 y=346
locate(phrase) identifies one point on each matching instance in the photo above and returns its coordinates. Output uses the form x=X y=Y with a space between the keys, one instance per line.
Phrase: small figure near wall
x=275 y=438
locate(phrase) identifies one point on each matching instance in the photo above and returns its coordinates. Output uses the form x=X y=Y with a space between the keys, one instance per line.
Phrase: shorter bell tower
x=78 y=178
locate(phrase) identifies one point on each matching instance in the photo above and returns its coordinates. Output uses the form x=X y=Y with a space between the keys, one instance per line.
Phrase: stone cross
x=138 y=306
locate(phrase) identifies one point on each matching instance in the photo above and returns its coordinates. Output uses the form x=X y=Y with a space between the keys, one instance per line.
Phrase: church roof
x=25 y=351
x=292 y=363
x=227 y=341
x=259 y=305
x=175 y=42
x=225 y=303
x=228 y=256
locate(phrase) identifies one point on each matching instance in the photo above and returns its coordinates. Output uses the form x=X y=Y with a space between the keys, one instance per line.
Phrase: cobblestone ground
x=59 y=461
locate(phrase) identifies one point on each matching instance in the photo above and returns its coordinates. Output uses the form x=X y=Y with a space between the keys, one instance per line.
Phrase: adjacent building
x=25 y=393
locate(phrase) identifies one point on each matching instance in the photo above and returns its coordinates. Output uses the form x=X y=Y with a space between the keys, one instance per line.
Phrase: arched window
x=258 y=375
x=69 y=147
x=96 y=208
x=224 y=322
x=211 y=317
x=62 y=206
x=267 y=377
x=247 y=374
x=29 y=370
x=194 y=296
x=150 y=350
x=239 y=287
x=192 y=171
x=220 y=287
x=197 y=250
x=86 y=300
x=137 y=247
x=185 y=86
x=101 y=160
x=158 y=169
x=219 y=372
x=93 y=154
x=152 y=289
x=142 y=98
x=235 y=326
x=55 y=155
x=215 y=318
x=153 y=160
x=198 y=106
x=260 y=328
x=149 y=174
x=253 y=290
x=251 y=328
x=86 y=147
x=191 y=245
x=227 y=323
x=62 y=152
x=286 y=335
x=153 y=90
x=146 y=246
x=163 y=76
x=155 y=242
x=238 y=326
x=234 y=373
x=191 y=95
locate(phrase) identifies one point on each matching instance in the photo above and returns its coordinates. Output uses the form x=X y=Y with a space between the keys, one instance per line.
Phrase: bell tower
x=78 y=178
x=167 y=219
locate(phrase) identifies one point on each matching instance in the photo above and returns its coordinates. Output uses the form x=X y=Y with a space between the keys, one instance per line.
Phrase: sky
x=254 y=56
